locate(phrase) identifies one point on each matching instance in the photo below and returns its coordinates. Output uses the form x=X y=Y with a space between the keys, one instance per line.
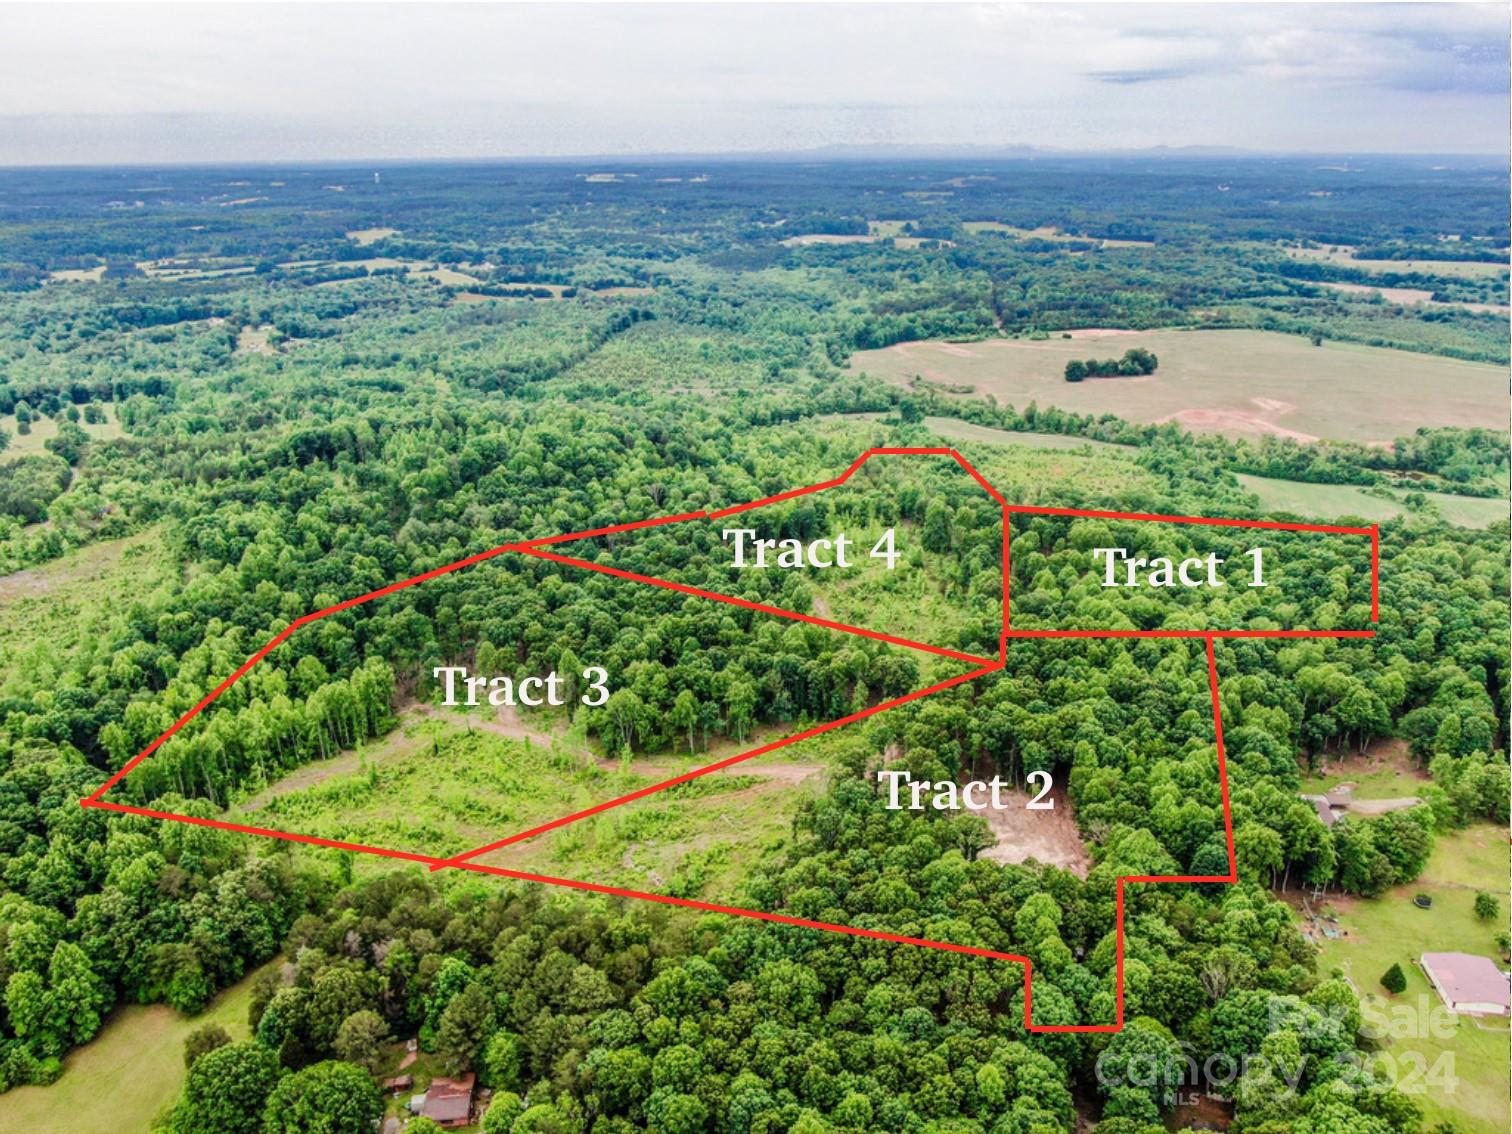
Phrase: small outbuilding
x=1469 y=984
x=1325 y=810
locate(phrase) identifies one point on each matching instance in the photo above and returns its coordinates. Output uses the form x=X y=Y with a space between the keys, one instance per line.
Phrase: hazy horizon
x=134 y=84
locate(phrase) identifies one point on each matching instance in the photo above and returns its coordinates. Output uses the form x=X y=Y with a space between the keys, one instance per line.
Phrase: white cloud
x=346 y=80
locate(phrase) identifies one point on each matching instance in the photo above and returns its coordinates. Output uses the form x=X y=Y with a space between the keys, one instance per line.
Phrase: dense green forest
x=297 y=400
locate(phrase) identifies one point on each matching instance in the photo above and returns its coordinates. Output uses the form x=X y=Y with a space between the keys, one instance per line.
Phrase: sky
x=159 y=83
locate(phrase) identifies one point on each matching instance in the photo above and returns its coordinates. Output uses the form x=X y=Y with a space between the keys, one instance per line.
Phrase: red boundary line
x=1191 y=634
x=719 y=766
x=1212 y=521
x=879 y=451
x=987 y=665
x=760 y=607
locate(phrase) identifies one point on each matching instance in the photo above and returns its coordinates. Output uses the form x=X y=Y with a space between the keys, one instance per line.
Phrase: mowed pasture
x=1238 y=383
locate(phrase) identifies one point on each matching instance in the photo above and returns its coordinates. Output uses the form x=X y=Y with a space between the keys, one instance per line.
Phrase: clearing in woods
x=365 y=236
x=450 y=781
x=77 y=603
x=140 y=1054
x=1050 y=837
x=1385 y=770
x=44 y=429
x=1239 y=383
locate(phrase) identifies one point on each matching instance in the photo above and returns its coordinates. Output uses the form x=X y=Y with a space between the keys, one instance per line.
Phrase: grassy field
x=1050 y=233
x=44 y=429
x=78 y=275
x=954 y=429
x=1343 y=255
x=74 y=603
x=1333 y=500
x=1385 y=783
x=122 y=1079
x=1386 y=770
x=442 y=785
x=364 y=236
x=1020 y=465
x=1239 y=383
x=1391 y=930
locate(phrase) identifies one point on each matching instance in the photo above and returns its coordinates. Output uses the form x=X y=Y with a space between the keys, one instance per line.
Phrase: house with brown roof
x=1470 y=985
x=447 y=1102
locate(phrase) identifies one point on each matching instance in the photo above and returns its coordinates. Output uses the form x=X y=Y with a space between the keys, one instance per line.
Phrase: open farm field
x=1238 y=383
x=365 y=236
x=1328 y=501
x=1343 y=256
x=1408 y=296
x=78 y=275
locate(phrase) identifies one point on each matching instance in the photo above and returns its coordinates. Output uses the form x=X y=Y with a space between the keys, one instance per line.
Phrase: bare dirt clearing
x=1049 y=837
x=1239 y=383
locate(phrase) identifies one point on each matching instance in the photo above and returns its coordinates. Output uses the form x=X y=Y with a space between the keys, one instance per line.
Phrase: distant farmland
x=1239 y=383
x=1343 y=256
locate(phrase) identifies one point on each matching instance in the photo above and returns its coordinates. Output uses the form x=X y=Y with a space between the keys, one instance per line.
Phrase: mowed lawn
x=1391 y=930
x=122 y=1079
x=1329 y=501
x=1238 y=383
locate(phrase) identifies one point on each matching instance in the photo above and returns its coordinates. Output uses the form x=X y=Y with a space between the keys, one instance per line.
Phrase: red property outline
x=535 y=548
